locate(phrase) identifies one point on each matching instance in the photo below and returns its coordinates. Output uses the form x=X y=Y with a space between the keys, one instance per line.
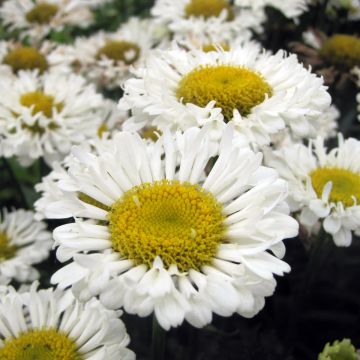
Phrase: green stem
x=158 y=341
x=16 y=182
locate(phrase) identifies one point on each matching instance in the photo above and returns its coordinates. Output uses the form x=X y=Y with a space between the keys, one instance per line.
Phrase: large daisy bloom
x=36 y=18
x=15 y=57
x=259 y=92
x=105 y=58
x=290 y=9
x=23 y=243
x=211 y=17
x=44 y=115
x=52 y=324
x=154 y=233
x=323 y=186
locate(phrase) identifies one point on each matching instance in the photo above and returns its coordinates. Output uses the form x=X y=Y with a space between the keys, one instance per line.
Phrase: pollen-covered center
x=7 y=250
x=179 y=222
x=232 y=87
x=42 y=13
x=26 y=58
x=40 y=102
x=342 y=50
x=345 y=184
x=46 y=344
x=124 y=51
x=208 y=8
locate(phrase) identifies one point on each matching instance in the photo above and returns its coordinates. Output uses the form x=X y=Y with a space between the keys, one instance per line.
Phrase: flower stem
x=16 y=183
x=158 y=341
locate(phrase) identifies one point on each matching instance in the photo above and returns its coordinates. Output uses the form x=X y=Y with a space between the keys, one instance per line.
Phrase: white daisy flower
x=23 y=243
x=105 y=58
x=37 y=18
x=44 y=115
x=210 y=17
x=290 y=8
x=15 y=57
x=52 y=324
x=259 y=92
x=323 y=186
x=151 y=236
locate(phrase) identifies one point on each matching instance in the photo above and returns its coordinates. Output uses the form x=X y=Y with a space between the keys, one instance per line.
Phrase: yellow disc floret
x=179 y=222
x=40 y=102
x=44 y=344
x=342 y=50
x=42 y=13
x=7 y=250
x=232 y=87
x=345 y=184
x=208 y=8
x=26 y=58
x=124 y=51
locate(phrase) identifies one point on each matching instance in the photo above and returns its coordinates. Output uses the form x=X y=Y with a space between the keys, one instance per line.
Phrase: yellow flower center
x=180 y=222
x=232 y=87
x=26 y=58
x=42 y=13
x=46 y=344
x=345 y=184
x=124 y=51
x=208 y=8
x=40 y=102
x=214 y=47
x=342 y=50
x=7 y=251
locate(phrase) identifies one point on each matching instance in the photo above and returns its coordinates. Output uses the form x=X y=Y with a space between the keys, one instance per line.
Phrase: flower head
x=258 y=92
x=23 y=243
x=44 y=115
x=52 y=325
x=155 y=233
x=323 y=186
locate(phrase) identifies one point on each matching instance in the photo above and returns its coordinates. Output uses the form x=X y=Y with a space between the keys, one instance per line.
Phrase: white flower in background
x=195 y=18
x=152 y=236
x=323 y=186
x=352 y=7
x=44 y=115
x=37 y=18
x=23 y=243
x=15 y=57
x=259 y=92
x=290 y=8
x=105 y=58
x=52 y=324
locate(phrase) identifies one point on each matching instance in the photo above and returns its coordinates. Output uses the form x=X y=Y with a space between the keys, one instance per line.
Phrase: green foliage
x=339 y=350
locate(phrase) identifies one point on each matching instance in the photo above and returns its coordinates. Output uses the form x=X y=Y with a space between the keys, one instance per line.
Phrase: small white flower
x=52 y=324
x=323 y=186
x=37 y=18
x=197 y=18
x=106 y=58
x=44 y=115
x=154 y=233
x=23 y=243
x=290 y=8
x=180 y=89
x=15 y=57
